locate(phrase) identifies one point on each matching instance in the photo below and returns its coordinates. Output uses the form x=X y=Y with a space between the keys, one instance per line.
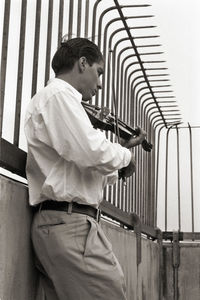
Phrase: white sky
x=178 y=24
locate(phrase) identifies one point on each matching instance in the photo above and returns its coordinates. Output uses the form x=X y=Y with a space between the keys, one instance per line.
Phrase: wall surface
x=17 y=273
x=18 y=277
x=142 y=280
x=188 y=273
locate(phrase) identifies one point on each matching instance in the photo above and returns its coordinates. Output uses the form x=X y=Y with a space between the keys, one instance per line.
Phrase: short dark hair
x=70 y=51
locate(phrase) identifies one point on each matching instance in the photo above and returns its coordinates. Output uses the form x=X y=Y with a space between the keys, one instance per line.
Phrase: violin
x=103 y=119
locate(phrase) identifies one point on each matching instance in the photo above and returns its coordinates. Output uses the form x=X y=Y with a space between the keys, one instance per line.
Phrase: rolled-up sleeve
x=64 y=126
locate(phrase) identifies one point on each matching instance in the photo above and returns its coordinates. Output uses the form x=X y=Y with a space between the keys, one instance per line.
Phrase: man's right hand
x=129 y=170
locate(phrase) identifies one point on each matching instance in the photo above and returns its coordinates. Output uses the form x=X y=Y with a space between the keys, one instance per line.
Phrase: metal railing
x=180 y=173
x=132 y=67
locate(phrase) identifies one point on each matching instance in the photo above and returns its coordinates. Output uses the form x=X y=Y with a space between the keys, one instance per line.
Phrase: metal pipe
x=94 y=19
x=86 y=18
x=78 y=33
x=157 y=172
x=191 y=178
x=60 y=22
x=4 y=54
x=70 y=24
x=166 y=177
x=178 y=180
x=36 y=48
x=49 y=37
x=20 y=74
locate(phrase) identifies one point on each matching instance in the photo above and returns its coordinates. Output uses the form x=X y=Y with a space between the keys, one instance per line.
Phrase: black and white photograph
x=99 y=151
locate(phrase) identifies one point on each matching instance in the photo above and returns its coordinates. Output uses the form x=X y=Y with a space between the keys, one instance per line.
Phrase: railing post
x=137 y=229
x=175 y=262
x=160 y=243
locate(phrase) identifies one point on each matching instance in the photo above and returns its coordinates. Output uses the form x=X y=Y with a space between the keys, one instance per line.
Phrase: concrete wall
x=188 y=279
x=18 y=277
x=142 y=280
x=17 y=274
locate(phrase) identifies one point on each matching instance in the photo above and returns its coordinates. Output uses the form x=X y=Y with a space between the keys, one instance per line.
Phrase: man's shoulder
x=47 y=93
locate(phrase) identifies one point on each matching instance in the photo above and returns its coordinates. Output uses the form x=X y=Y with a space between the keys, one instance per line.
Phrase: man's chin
x=86 y=98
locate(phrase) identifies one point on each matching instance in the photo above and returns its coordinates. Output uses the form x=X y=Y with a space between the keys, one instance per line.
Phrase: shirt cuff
x=127 y=157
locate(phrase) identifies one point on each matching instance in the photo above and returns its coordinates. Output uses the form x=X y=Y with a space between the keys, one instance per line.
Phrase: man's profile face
x=91 y=81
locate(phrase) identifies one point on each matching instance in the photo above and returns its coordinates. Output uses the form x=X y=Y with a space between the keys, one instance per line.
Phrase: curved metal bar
x=94 y=19
x=122 y=29
x=104 y=13
x=136 y=52
x=169 y=115
x=118 y=42
x=157 y=171
x=166 y=176
x=164 y=112
x=134 y=107
x=147 y=69
x=124 y=88
x=173 y=122
x=152 y=108
x=178 y=180
x=100 y=23
x=152 y=53
x=119 y=84
x=141 y=77
x=137 y=95
x=125 y=76
x=105 y=56
x=145 y=111
x=111 y=22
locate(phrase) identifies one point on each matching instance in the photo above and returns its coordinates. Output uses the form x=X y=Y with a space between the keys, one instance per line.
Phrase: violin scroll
x=145 y=145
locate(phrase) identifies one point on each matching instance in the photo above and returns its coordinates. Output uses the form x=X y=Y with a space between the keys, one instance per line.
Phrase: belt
x=70 y=207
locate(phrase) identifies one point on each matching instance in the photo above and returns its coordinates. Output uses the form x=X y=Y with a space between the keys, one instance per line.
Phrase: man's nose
x=99 y=84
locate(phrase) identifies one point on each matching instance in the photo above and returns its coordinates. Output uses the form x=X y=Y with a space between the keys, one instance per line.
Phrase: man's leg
x=46 y=289
x=77 y=257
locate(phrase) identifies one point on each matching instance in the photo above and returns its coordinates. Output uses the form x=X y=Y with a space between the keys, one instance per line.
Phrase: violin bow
x=115 y=109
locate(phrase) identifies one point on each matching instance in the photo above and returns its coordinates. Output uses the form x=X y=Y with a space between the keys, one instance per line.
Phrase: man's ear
x=82 y=63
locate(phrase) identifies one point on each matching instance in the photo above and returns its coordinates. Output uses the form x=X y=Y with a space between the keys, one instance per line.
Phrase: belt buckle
x=98 y=215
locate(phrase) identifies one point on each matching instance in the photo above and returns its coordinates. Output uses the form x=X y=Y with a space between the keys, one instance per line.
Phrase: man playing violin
x=68 y=165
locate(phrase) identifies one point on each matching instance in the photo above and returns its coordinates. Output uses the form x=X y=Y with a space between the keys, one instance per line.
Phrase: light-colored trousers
x=75 y=258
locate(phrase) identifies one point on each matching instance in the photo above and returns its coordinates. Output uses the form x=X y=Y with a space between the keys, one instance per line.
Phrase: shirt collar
x=66 y=85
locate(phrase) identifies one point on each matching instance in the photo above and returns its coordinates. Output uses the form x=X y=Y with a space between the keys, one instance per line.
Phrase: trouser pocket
x=98 y=250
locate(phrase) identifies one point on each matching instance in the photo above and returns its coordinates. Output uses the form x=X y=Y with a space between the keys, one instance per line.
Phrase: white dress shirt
x=68 y=160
